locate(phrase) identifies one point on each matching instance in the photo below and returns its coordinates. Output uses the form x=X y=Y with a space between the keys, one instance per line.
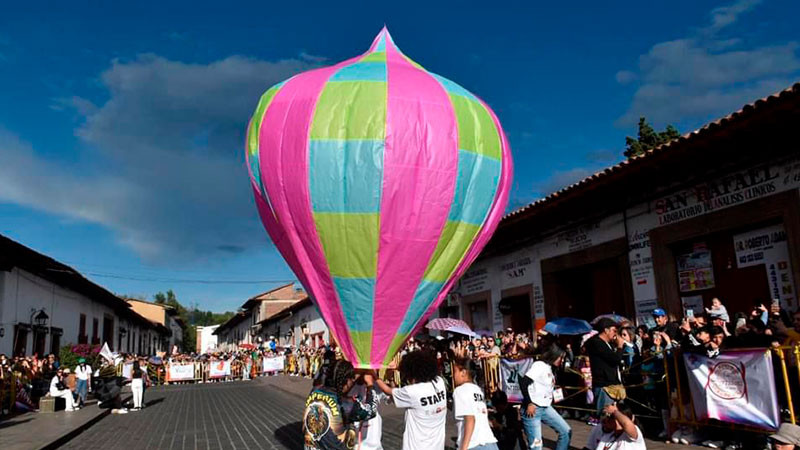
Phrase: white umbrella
x=451 y=325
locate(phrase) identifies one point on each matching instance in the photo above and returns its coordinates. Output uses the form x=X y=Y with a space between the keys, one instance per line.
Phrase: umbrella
x=155 y=360
x=568 y=326
x=451 y=325
x=615 y=317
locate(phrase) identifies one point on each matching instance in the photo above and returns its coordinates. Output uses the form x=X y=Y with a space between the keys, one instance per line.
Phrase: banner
x=510 y=373
x=273 y=364
x=127 y=371
x=218 y=369
x=178 y=372
x=736 y=387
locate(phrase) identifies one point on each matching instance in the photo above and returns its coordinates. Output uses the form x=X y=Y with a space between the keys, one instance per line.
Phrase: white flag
x=105 y=352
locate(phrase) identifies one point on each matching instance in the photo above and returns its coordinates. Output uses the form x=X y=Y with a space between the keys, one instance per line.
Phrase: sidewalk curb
x=63 y=439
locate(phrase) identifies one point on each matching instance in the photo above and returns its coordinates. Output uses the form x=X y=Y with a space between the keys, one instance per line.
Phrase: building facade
x=45 y=304
x=298 y=324
x=166 y=321
x=206 y=339
x=715 y=213
x=246 y=326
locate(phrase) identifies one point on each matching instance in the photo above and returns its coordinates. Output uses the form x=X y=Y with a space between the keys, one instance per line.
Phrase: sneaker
x=676 y=436
x=712 y=444
x=123 y=411
x=687 y=438
x=662 y=436
x=593 y=422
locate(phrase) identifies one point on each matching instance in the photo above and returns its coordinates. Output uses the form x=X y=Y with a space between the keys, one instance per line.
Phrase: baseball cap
x=787 y=434
x=658 y=312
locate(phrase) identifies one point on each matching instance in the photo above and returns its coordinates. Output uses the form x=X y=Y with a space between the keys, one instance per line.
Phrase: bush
x=69 y=355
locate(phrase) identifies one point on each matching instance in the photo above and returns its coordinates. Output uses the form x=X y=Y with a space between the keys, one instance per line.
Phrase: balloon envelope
x=379 y=183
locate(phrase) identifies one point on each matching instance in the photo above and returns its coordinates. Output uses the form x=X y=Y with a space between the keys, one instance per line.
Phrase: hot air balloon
x=379 y=183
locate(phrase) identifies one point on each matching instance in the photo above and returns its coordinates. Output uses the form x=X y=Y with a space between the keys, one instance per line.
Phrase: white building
x=713 y=214
x=245 y=326
x=165 y=319
x=45 y=304
x=206 y=339
x=297 y=324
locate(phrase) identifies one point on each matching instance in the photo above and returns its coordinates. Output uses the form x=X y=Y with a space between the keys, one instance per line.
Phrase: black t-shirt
x=671 y=328
x=605 y=362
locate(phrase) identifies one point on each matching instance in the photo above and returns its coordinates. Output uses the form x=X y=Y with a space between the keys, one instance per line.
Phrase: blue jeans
x=602 y=399
x=81 y=391
x=484 y=447
x=551 y=418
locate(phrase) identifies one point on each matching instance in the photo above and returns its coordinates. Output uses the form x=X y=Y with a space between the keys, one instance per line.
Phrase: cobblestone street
x=260 y=414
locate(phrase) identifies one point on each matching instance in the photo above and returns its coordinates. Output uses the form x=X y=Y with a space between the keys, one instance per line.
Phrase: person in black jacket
x=605 y=357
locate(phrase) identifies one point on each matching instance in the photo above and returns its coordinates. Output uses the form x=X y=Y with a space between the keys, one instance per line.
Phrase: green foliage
x=69 y=355
x=192 y=317
x=648 y=138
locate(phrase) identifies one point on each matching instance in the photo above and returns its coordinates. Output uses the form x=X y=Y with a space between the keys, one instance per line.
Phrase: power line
x=176 y=280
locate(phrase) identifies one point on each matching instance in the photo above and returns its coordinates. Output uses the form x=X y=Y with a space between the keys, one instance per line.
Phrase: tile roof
x=791 y=92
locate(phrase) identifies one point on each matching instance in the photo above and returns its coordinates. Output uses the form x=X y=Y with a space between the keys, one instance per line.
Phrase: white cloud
x=704 y=74
x=168 y=174
x=625 y=76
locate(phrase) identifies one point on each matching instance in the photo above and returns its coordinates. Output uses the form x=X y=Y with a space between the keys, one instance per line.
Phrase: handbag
x=616 y=392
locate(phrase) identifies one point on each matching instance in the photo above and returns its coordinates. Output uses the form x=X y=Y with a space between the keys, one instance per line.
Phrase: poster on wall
x=695 y=271
x=768 y=247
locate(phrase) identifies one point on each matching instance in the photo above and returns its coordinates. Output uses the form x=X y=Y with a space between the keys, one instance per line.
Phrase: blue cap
x=658 y=312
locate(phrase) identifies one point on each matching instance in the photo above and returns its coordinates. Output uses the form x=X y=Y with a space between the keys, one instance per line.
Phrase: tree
x=648 y=138
x=192 y=317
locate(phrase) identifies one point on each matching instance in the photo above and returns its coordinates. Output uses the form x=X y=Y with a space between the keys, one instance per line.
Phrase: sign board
x=178 y=372
x=273 y=364
x=768 y=247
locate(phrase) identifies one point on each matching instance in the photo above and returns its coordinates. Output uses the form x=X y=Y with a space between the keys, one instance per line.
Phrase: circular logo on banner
x=317 y=420
x=726 y=381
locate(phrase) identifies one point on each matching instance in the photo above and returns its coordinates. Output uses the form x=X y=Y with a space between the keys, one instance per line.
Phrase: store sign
x=695 y=271
x=728 y=190
x=516 y=269
x=768 y=246
x=475 y=281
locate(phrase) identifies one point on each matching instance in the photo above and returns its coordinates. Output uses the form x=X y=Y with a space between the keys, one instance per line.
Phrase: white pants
x=66 y=394
x=137 y=387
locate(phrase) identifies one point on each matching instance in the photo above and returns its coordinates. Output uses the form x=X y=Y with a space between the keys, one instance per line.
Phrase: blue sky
x=121 y=129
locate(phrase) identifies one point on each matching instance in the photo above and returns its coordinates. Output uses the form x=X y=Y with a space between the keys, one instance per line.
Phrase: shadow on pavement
x=291 y=435
x=11 y=423
x=154 y=402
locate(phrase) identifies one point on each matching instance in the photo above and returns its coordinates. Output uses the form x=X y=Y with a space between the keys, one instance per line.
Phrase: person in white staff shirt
x=424 y=397
x=469 y=408
x=57 y=389
x=538 y=388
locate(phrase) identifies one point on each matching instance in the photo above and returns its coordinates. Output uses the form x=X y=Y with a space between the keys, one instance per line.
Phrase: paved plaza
x=260 y=414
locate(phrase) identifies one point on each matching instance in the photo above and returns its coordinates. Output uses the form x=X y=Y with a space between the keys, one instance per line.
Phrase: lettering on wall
x=475 y=281
x=578 y=238
x=516 y=269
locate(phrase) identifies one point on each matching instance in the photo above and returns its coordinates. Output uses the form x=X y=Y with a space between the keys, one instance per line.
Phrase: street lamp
x=39 y=319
